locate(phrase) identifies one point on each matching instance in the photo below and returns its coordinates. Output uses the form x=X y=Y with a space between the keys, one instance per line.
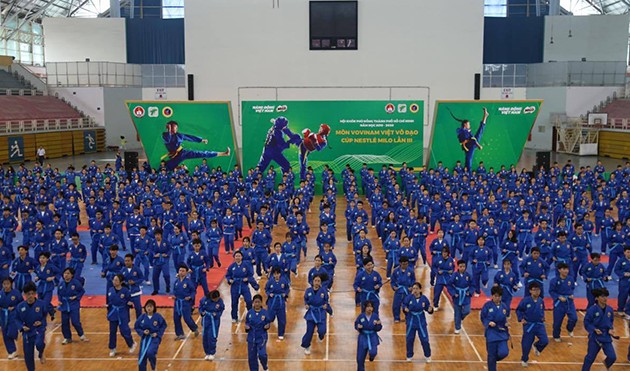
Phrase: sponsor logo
x=282 y=108
x=529 y=109
x=138 y=112
x=402 y=108
x=414 y=108
x=167 y=112
x=390 y=108
x=153 y=112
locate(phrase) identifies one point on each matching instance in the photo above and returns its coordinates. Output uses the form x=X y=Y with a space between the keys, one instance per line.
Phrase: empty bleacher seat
x=34 y=108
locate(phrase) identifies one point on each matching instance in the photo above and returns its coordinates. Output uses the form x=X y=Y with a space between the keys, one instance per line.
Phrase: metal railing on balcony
x=35 y=126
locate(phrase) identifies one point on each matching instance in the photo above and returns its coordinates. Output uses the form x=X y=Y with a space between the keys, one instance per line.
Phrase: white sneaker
x=133 y=347
x=66 y=341
x=148 y=283
x=233 y=321
x=307 y=351
x=457 y=331
x=571 y=334
x=435 y=309
x=524 y=364
x=84 y=339
x=112 y=352
x=428 y=359
x=496 y=266
x=537 y=352
x=211 y=357
x=280 y=337
x=557 y=340
x=520 y=285
x=408 y=359
x=13 y=355
x=320 y=340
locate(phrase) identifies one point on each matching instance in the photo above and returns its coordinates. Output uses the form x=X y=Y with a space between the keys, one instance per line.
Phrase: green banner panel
x=335 y=133
x=185 y=133
x=459 y=133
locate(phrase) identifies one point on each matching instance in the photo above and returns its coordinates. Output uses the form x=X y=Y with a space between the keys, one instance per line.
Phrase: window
x=172 y=9
x=495 y=8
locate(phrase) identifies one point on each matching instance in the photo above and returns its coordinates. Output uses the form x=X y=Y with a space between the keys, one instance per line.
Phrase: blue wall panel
x=513 y=40
x=155 y=41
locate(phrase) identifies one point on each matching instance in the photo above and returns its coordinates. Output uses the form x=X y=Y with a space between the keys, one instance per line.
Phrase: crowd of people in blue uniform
x=541 y=228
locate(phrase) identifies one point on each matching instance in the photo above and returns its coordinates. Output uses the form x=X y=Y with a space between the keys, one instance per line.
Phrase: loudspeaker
x=131 y=161
x=191 y=87
x=477 y=86
x=543 y=159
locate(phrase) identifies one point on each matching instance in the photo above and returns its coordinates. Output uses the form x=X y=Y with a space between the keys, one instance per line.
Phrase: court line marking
x=181 y=346
x=443 y=296
x=327 y=336
x=445 y=361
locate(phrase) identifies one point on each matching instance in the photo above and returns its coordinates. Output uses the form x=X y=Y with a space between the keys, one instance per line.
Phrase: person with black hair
x=561 y=289
x=31 y=320
x=184 y=292
x=599 y=323
x=150 y=326
x=118 y=303
x=466 y=139
x=239 y=276
x=368 y=324
x=176 y=153
x=9 y=300
x=497 y=333
x=594 y=275
x=133 y=279
x=414 y=306
x=45 y=276
x=531 y=312
x=257 y=323
x=22 y=268
x=367 y=284
x=277 y=289
x=316 y=302
x=211 y=308
x=69 y=294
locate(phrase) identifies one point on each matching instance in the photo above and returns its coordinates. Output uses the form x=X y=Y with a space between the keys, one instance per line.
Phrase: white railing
x=35 y=126
x=24 y=73
x=63 y=74
x=620 y=124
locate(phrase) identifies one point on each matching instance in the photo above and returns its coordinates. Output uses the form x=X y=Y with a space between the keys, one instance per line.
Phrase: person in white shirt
x=41 y=155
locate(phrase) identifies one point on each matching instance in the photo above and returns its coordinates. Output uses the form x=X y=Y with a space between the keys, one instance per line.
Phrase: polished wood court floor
x=465 y=351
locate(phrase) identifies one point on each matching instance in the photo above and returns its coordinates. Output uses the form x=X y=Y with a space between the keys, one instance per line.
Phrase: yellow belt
x=172 y=155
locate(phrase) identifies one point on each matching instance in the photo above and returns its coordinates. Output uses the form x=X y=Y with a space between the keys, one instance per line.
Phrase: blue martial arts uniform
x=184 y=292
x=256 y=326
x=35 y=337
x=368 y=341
x=602 y=319
x=461 y=289
x=496 y=336
x=370 y=284
x=416 y=321
x=532 y=313
x=277 y=294
x=211 y=312
x=9 y=300
x=441 y=268
x=69 y=295
x=118 y=315
x=318 y=307
x=562 y=288
x=401 y=283
x=149 y=343
x=240 y=276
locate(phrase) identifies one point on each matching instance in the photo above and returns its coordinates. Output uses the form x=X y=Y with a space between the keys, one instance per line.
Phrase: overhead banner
x=334 y=133
x=185 y=133
x=460 y=132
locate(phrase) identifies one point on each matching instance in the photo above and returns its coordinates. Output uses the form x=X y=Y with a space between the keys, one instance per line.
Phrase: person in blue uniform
x=415 y=304
x=507 y=279
x=78 y=254
x=133 y=280
x=112 y=265
x=229 y=229
x=531 y=312
x=45 y=276
x=257 y=323
x=9 y=299
x=211 y=308
x=469 y=142
x=599 y=323
x=317 y=306
x=622 y=270
x=534 y=269
x=594 y=274
x=30 y=318
x=442 y=267
x=150 y=326
x=178 y=242
x=199 y=263
x=118 y=303
x=184 y=291
x=461 y=289
x=277 y=290
x=367 y=284
x=561 y=290
x=69 y=294
x=368 y=324
x=402 y=280
x=275 y=143
x=494 y=320
x=214 y=234
x=160 y=252
x=261 y=239
x=22 y=268
x=176 y=153
x=239 y=276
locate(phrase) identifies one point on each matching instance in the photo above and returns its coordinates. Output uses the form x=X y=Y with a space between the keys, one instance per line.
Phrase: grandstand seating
x=618 y=114
x=34 y=108
x=8 y=81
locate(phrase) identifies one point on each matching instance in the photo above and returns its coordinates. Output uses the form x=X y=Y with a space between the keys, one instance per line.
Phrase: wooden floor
x=465 y=351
